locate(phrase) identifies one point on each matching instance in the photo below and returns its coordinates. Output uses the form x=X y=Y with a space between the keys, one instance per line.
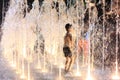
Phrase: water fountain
x=28 y=66
x=38 y=49
x=51 y=24
x=77 y=61
x=116 y=74
x=24 y=53
x=24 y=49
x=103 y=53
x=89 y=43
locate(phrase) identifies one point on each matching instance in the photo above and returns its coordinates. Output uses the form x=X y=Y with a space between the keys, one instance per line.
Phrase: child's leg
x=73 y=58
x=70 y=63
x=67 y=63
x=86 y=46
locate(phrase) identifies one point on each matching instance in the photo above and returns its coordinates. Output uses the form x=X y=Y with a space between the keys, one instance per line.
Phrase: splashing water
x=23 y=30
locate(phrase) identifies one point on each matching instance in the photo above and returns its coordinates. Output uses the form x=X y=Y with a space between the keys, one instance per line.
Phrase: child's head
x=68 y=27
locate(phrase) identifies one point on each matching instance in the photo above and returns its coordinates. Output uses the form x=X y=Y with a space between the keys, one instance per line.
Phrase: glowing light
x=23 y=76
x=13 y=65
x=61 y=66
x=30 y=59
x=28 y=78
x=23 y=72
x=44 y=70
x=24 y=53
x=89 y=77
x=28 y=71
x=116 y=77
x=55 y=63
x=17 y=72
x=78 y=73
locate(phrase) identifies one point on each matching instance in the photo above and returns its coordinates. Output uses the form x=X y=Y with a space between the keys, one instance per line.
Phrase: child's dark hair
x=67 y=26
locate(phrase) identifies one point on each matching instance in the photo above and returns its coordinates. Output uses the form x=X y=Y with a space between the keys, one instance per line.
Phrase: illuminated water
x=23 y=36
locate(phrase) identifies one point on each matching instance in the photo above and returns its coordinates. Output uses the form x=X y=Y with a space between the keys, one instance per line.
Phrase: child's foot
x=68 y=73
x=65 y=71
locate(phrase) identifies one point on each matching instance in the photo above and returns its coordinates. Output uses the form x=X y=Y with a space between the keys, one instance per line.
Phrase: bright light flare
x=44 y=70
x=89 y=77
x=23 y=76
x=62 y=66
x=116 y=74
x=116 y=77
x=77 y=73
x=13 y=65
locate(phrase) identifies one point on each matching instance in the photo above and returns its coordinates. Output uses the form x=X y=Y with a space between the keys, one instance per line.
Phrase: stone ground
x=8 y=73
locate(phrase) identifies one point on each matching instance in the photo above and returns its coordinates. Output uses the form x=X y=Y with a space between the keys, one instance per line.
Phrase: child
x=84 y=46
x=68 y=47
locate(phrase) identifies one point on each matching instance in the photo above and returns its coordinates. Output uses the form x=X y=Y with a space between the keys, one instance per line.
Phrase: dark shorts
x=67 y=52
